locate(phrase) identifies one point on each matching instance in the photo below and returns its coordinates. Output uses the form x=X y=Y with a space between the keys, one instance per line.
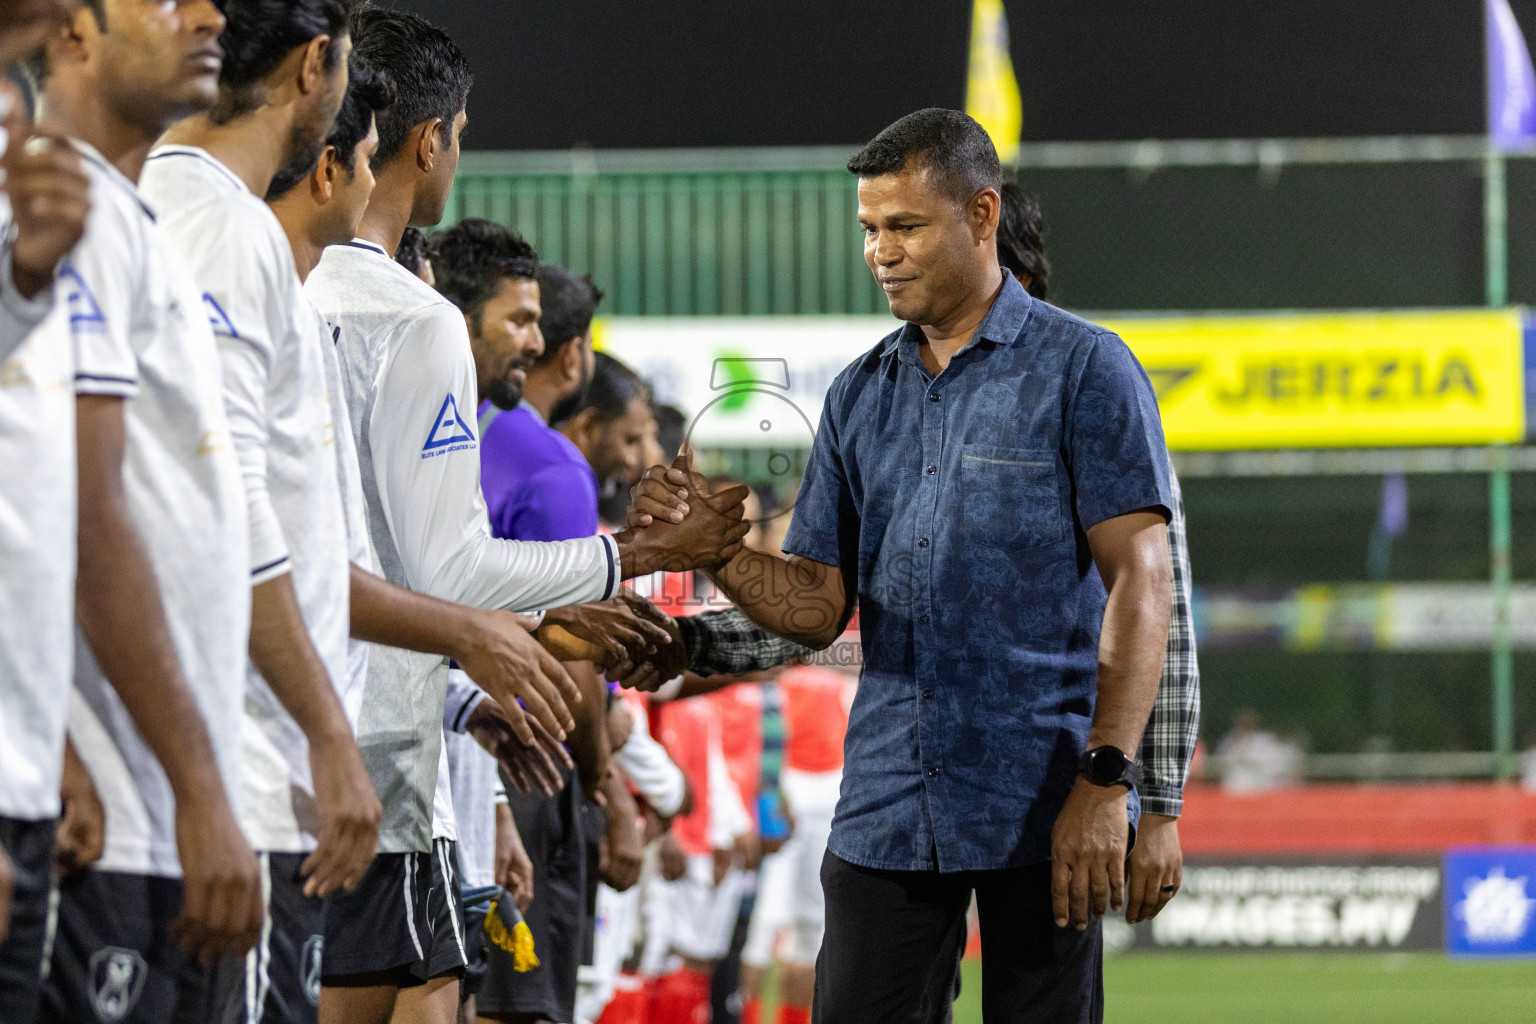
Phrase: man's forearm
x=795 y=598
x=285 y=655
x=383 y=613
x=589 y=741
x=1131 y=647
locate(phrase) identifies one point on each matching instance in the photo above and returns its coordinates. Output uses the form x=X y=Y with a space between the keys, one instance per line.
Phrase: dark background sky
x=616 y=73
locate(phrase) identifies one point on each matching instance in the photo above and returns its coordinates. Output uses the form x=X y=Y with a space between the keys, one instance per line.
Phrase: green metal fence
x=705 y=242
x=1241 y=224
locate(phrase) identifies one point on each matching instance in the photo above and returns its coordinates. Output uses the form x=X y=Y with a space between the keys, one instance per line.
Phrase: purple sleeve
x=560 y=503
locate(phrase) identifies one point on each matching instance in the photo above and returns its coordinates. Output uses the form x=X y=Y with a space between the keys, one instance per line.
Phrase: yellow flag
x=991 y=91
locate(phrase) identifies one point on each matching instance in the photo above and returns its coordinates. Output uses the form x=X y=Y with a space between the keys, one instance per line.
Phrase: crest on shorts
x=309 y=967
x=115 y=981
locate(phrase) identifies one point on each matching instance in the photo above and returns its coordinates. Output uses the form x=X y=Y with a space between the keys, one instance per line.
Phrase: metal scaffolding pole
x=1495 y=226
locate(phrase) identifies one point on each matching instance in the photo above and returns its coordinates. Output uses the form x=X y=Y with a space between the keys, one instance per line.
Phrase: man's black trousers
x=889 y=947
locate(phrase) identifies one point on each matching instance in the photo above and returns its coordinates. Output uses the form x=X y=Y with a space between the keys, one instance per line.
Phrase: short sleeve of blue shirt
x=1114 y=437
x=825 y=527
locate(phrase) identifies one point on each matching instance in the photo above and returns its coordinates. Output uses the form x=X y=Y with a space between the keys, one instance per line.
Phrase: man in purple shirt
x=537 y=484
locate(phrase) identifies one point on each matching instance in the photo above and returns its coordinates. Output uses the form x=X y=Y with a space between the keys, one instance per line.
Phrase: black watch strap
x=1109 y=766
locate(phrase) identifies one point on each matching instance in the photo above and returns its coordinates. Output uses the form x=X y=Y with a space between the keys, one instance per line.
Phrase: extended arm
x=804 y=601
x=493 y=648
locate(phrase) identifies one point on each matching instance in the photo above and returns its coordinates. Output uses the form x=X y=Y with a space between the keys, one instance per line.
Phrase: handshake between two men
x=674 y=525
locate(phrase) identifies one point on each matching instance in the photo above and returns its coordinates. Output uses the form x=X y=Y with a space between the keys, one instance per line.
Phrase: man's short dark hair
x=259 y=35
x=612 y=388
x=369 y=94
x=952 y=148
x=1020 y=241
x=569 y=303
x=473 y=257
x=431 y=74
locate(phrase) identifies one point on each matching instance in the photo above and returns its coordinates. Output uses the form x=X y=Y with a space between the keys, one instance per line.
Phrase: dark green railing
x=716 y=241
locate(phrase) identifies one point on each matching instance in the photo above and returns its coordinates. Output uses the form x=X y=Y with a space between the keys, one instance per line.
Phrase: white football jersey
x=276 y=397
x=37 y=545
x=409 y=376
x=359 y=547
x=141 y=333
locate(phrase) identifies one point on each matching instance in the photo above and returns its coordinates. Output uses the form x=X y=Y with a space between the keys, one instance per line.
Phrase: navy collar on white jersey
x=363 y=243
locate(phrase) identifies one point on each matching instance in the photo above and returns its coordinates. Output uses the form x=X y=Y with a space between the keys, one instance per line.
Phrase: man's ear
x=570 y=359
x=325 y=175
x=984 y=213
x=429 y=143
x=66 y=44
x=312 y=66
x=579 y=428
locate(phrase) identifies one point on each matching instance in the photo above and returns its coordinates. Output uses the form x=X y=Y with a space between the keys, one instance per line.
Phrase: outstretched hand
x=505 y=661
x=681 y=525
x=626 y=628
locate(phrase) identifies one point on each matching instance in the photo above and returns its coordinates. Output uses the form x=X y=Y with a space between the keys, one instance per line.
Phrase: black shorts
x=554 y=833
x=114 y=959
x=445 y=913
x=402 y=922
x=29 y=845
x=278 y=981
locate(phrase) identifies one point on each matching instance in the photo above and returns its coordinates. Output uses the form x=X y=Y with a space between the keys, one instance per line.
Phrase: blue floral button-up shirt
x=963 y=501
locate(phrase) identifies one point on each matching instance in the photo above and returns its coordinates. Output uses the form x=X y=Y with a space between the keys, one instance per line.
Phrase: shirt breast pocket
x=1011 y=497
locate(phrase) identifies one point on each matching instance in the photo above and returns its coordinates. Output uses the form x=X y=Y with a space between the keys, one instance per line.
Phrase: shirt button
x=923 y=542
x=933 y=396
x=927 y=695
x=933 y=773
x=932 y=469
x=922 y=620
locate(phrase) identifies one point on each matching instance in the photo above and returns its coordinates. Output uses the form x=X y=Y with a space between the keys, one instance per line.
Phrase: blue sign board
x=1490 y=901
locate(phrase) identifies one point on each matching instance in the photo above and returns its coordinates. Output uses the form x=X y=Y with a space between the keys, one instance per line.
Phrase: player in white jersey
x=411 y=389
x=43 y=179
x=162 y=603
x=317 y=210
x=307 y=804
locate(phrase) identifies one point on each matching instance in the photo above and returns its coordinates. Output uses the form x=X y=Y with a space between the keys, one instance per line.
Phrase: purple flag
x=1511 y=82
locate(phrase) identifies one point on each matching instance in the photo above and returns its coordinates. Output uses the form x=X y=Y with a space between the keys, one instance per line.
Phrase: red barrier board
x=1358 y=819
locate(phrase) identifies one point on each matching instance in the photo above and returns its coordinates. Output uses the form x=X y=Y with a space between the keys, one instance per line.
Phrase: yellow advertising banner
x=1335 y=379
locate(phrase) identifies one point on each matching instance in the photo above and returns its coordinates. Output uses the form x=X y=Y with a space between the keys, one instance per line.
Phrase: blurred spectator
x=1252 y=759
x=1528 y=762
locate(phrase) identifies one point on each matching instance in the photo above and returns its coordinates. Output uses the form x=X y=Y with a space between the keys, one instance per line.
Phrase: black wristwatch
x=1108 y=766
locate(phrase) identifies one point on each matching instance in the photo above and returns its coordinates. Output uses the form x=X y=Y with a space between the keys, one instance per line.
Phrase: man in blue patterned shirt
x=990 y=484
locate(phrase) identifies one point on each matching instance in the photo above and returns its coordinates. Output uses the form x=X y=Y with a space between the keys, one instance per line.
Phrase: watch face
x=1106 y=764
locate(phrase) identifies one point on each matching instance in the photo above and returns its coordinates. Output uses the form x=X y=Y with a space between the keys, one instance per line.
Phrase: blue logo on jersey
x=84 y=310
x=217 y=318
x=449 y=428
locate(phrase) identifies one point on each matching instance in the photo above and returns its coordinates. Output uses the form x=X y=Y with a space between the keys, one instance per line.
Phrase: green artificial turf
x=1302 y=988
